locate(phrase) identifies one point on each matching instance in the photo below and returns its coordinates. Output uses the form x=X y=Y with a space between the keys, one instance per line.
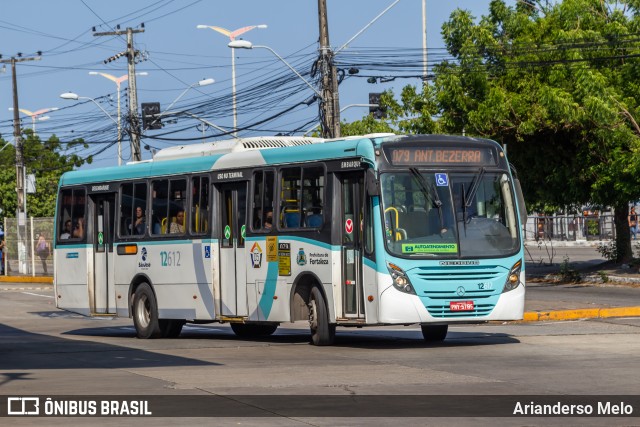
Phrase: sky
x=176 y=55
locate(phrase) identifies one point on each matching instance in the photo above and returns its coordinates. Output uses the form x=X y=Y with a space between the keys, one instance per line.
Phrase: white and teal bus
x=358 y=231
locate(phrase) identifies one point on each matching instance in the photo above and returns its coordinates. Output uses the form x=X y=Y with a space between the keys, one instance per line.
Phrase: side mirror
x=522 y=208
x=372 y=183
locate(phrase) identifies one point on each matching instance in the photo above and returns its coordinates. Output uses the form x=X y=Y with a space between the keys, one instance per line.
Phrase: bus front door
x=233 y=273
x=352 y=203
x=101 y=226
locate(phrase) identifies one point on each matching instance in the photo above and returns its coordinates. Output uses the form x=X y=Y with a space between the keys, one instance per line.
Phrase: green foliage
x=603 y=276
x=593 y=228
x=362 y=127
x=568 y=273
x=556 y=82
x=609 y=251
x=48 y=161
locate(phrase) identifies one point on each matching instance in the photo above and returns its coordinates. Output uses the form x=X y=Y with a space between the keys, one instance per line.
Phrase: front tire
x=253 y=330
x=322 y=333
x=434 y=333
x=145 y=313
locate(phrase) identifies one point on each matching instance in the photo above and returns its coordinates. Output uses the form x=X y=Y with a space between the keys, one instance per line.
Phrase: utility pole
x=330 y=103
x=21 y=208
x=131 y=54
x=424 y=40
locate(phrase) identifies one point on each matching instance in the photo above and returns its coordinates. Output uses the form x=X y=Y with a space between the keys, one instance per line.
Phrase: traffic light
x=378 y=112
x=150 y=116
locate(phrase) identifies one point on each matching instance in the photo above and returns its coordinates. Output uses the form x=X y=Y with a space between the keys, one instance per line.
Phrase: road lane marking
x=37 y=295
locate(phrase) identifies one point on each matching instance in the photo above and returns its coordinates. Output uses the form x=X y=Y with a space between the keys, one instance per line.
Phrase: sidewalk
x=26 y=279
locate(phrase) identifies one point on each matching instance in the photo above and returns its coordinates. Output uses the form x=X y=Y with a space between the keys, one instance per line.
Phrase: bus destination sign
x=441 y=156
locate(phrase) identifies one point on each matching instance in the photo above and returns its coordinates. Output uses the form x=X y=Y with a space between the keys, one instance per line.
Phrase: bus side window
x=313 y=196
x=159 y=207
x=314 y=217
x=200 y=205
x=262 y=200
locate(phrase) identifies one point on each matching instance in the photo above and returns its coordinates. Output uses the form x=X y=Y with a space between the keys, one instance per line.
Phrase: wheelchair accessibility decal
x=442 y=180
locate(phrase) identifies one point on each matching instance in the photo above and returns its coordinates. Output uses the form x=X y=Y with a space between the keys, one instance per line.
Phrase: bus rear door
x=350 y=224
x=101 y=226
x=233 y=273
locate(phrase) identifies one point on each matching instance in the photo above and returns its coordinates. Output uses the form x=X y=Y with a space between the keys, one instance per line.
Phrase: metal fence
x=21 y=254
x=570 y=227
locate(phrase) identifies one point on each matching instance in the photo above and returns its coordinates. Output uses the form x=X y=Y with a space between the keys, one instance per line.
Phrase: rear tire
x=322 y=333
x=171 y=328
x=434 y=333
x=145 y=313
x=253 y=330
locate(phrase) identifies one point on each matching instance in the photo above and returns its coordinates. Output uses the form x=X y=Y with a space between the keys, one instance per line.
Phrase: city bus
x=360 y=231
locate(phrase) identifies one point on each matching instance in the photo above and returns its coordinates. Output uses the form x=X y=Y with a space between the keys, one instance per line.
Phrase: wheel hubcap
x=143 y=311
x=313 y=318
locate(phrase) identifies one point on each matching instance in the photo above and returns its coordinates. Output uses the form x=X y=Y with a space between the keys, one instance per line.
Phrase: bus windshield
x=449 y=215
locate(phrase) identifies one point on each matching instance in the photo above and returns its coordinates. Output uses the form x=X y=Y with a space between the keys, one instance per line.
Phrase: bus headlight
x=400 y=280
x=513 y=279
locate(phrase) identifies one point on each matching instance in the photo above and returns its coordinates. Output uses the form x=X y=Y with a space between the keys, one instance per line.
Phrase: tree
x=558 y=84
x=48 y=161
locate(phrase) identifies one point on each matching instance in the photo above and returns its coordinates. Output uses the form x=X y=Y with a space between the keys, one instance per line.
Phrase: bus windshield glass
x=449 y=215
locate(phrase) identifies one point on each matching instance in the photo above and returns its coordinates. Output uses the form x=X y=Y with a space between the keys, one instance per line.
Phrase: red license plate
x=461 y=306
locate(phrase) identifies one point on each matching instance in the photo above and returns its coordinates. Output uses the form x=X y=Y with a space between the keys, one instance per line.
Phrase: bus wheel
x=171 y=328
x=434 y=333
x=145 y=312
x=245 y=330
x=322 y=333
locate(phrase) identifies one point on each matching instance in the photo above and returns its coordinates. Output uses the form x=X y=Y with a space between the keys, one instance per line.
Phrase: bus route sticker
x=272 y=248
x=243 y=231
x=100 y=238
x=429 y=248
x=284 y=259
x=227 y=232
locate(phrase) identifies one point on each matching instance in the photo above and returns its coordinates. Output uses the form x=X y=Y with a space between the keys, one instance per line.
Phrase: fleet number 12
x=170 y=258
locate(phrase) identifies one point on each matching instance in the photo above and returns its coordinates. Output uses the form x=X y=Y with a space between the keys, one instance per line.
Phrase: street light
x=232 y=36
x=117 y=81
x=35 y=115
x=245 y=44
x=203 y=82
x=75 y=97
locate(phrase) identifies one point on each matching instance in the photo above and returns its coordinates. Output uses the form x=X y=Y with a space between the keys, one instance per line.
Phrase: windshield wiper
x=467 y=199
x=430 y=194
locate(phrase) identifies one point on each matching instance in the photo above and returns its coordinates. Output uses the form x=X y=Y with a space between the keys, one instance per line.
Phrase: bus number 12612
x=170 y=259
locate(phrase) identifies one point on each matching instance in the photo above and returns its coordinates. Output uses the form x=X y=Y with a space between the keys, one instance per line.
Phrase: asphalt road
x=47 y=351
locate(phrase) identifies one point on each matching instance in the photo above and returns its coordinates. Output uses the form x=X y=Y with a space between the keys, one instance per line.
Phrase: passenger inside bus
x=66 y=233
x=177 y=226
x=139 y=224
x=314 y=217
x=78 y=231
x=268 y=220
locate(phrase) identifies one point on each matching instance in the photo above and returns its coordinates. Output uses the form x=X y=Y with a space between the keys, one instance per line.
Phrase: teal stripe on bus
x=140 y=170
x=325 y=151
x=76 y=246
x=266 y=300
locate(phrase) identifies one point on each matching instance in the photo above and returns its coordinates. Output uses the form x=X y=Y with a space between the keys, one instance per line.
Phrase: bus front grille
x=437 y=287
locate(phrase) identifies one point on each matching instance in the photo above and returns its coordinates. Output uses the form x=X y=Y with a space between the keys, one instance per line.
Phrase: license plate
x=461 y=306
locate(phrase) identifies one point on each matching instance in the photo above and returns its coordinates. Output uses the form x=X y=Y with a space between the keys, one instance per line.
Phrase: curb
x=26 y=279
x=585 y=313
